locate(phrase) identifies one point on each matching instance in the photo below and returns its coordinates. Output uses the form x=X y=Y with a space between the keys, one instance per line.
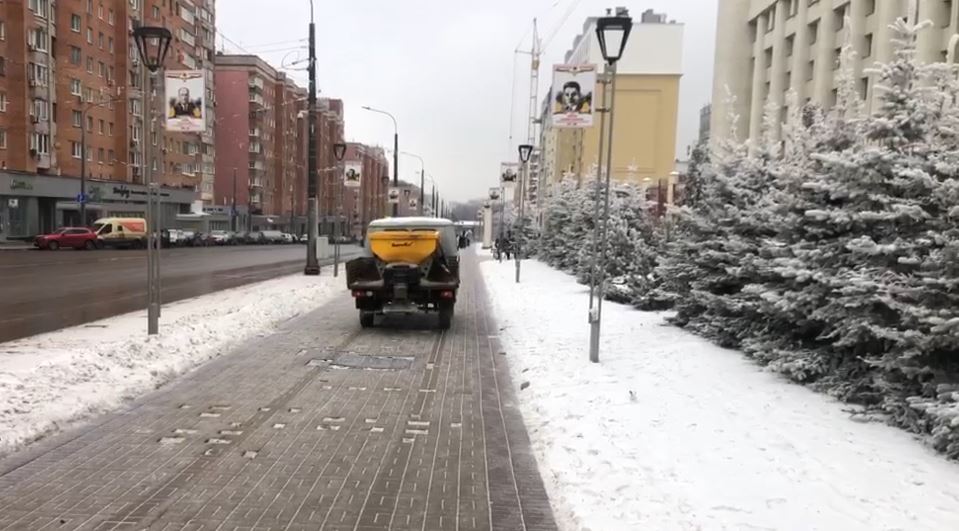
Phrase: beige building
x=647 y=104
x=764 y=48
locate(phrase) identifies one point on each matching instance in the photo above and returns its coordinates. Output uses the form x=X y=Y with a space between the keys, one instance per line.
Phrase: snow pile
x=671 y=432
x=54 y=379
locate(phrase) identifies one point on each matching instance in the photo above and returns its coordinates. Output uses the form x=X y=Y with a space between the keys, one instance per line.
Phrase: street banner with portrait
x=572 y=96
x=414 y=203
x=508 y=172
x=394 y=196
x=352 y=175
x=494 y=193
x=185 y=91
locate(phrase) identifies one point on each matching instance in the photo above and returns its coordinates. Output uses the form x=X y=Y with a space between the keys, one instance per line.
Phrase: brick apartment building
x=369 y=201
x=73 y=64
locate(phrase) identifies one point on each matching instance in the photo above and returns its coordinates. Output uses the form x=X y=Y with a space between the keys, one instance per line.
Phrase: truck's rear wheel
x=366 y=319
x=446 y=317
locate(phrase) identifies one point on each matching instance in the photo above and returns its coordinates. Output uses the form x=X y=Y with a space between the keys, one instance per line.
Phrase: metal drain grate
x=379 y=363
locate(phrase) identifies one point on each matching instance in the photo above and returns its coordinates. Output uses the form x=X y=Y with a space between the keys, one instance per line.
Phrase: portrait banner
x=414 y=203
x=494 y=193
x=572 y=96
x=508 y=172
x=185 y=92
x=352 y=175
x=394 y=196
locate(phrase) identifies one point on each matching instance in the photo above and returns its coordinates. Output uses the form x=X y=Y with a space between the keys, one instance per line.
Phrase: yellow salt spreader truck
x=409 y=265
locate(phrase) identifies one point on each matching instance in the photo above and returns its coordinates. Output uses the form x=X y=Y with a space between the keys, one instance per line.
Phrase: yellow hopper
x=404 y=246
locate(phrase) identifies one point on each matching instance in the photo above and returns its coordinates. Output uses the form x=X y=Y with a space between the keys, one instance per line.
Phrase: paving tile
x=264 y=439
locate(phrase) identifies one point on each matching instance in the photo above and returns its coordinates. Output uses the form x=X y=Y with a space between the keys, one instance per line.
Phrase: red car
x=76 y=237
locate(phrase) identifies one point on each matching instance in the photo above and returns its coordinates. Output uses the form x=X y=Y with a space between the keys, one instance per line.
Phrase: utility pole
x=233 y=225
x=312 y=265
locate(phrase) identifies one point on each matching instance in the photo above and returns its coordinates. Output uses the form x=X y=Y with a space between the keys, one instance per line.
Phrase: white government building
x=764 y=48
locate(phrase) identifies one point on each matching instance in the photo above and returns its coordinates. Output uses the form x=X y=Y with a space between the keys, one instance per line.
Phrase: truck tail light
x=446 y=294
x=362 y=294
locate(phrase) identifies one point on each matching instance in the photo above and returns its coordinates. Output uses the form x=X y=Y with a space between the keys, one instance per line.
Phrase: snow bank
x=50 y=380
x=671 y=432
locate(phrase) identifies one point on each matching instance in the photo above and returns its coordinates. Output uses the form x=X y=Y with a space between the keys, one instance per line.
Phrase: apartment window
x=89 y=155
x=947 y=13
x=75 y=55
x=38 y=74
x=103 y=127
x=110 y=44
x=89 y=35
x=836 y=58
x=90 y=65
x=76 y=150
x=90 y=6
x=3 y=31
x=863 y=87
x=40 y=109
x=790 y=43
x=813 y=32
x=102 y=69
x=100 y=40
x=111 y=156
x=110 y=17
x=41 y=8
x=3 y=139
x=75 y=23
x=156 y=12
x=840 y=18
x=867 y=45
x=154 y=137
x=3 y=66
x=768 y=57
x=810 y=70
x=100 y=11
x=100 y=153
x=793 y=8
x=89 y=124
x=3 y=102
x=40 y=143
x=110 y=129
x=833 y=97
x=870 y=7
x=88 y=95
x=77 y=119
x=771 y=19
x=38 y=39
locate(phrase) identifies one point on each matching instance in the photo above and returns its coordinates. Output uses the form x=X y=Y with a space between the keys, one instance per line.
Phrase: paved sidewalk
x=321 y=426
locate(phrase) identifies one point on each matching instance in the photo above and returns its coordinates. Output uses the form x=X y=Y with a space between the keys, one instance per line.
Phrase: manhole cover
x=381 y=363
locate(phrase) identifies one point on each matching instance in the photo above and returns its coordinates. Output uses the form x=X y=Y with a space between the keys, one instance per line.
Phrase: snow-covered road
x=51 y=380
x=671 y=432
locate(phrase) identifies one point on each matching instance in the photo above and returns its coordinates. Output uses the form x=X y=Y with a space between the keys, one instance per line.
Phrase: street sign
x=82 y=198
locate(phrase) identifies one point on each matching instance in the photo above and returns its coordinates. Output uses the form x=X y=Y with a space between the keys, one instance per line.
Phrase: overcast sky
x=445 y=69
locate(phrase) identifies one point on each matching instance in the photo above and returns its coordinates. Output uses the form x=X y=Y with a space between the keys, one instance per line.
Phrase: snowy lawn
x=51 y=380
x=671 y=432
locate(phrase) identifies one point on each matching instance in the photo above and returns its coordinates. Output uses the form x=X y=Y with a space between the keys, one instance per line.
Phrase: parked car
x=304 y=238
x=203 y=239
x=172 y=238
x=222 y=237
x=254 y=238
x=288 y=238
x=273 y=236
x=76 y=237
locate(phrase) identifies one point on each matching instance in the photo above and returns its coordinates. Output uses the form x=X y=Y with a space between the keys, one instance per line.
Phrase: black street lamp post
x=153 y=43
x=612 y=31
x=312 y=264
x=339 y=149
x=525 y=150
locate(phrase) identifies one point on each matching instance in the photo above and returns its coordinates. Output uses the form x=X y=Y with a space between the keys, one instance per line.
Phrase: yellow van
x=121 y=232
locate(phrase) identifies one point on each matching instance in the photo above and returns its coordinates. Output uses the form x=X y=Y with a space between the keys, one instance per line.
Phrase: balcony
x=256 y=83
x=256 y=99
x=255 y=132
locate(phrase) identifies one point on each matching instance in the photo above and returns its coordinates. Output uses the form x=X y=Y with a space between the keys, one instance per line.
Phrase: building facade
x=646 y=101
x=70 y=72
x=368 y=202
x=765 y=48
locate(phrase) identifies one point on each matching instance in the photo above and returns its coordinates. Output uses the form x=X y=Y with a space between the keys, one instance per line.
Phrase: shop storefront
x=36 y=204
